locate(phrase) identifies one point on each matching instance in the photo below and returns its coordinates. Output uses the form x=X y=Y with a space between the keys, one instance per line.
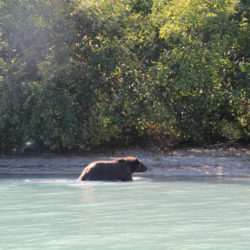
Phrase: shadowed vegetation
x=83 y=73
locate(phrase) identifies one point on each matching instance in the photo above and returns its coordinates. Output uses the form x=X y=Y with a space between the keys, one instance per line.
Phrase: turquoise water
x=148 y=213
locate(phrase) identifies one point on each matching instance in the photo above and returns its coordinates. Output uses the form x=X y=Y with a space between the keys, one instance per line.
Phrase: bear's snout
x=142 y=168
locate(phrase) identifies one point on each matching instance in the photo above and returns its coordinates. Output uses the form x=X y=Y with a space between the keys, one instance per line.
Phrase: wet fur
x=120 y=169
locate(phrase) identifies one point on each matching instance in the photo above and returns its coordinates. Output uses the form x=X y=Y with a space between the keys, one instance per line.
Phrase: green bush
x=80 y=73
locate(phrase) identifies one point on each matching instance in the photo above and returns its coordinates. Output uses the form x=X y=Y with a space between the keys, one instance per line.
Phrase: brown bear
x=119 y=169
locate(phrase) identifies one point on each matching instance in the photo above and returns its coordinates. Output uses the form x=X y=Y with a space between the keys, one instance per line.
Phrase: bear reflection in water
x=120 y=169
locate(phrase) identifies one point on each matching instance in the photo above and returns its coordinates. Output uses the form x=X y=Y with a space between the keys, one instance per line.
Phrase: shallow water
x=148 y=213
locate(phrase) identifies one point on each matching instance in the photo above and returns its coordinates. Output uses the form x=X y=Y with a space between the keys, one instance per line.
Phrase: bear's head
x=133 y=164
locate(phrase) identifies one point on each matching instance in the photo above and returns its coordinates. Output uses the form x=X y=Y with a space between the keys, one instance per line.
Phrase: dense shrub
x=79 y=73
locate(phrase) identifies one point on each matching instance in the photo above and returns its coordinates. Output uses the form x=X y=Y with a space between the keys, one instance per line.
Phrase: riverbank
x=181 y=162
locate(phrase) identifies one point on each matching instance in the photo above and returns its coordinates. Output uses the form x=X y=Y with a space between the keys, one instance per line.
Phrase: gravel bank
x=184 y=162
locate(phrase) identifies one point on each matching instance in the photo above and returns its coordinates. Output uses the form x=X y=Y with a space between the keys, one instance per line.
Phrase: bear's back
x=109 y=171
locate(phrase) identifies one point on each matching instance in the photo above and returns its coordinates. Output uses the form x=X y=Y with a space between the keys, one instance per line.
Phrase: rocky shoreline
x=183 y=162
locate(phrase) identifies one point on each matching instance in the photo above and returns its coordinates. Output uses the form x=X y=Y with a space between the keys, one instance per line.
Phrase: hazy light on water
x=148 y=213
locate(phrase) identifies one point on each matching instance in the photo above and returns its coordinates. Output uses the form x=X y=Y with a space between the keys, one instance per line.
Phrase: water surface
x=148 y=213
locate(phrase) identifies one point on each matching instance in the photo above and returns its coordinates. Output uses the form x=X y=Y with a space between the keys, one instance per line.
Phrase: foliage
x=198 y=68
x=79 y=73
